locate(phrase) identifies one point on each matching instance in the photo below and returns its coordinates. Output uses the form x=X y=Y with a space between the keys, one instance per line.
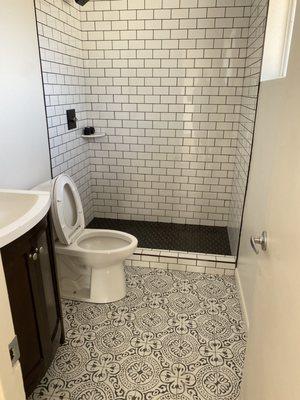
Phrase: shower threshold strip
x=183 y=261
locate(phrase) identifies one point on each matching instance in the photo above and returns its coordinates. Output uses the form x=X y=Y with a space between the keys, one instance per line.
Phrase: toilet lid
x=66 y=209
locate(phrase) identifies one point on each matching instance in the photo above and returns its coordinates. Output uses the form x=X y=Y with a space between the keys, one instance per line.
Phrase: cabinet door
x=51 y=295
x=33 y=293
x=24 y=285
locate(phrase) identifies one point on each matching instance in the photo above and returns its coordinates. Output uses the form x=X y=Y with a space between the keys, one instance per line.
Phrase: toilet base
x=108 y=284
x=93 y=285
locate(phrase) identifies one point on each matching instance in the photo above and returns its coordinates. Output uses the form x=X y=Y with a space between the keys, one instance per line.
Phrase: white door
x=270 y=281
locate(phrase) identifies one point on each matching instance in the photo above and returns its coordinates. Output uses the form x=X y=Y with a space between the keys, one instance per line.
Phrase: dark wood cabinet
x=30 y=272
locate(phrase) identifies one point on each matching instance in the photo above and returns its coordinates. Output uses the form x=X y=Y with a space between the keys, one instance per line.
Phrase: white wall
x=24 y=155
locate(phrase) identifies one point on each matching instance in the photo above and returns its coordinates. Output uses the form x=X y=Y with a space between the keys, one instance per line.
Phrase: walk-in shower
x=170 y=87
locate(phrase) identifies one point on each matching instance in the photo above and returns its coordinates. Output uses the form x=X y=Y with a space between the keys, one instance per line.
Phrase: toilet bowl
x=102 y=252
x=90 y=261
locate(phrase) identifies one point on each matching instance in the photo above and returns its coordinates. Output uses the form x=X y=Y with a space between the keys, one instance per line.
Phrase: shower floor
x=160 y=235
x=175 y=336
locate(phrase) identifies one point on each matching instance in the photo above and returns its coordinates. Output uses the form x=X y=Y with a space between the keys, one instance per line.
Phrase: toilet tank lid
x=67 y=212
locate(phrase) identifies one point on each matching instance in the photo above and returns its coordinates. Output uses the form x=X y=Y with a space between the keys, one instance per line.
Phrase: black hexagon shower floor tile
x=176 y=336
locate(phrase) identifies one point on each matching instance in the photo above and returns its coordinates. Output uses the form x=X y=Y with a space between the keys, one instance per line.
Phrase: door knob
x=261 y=240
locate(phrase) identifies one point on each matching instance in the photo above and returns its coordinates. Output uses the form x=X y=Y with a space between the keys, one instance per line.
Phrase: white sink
x=20 y=210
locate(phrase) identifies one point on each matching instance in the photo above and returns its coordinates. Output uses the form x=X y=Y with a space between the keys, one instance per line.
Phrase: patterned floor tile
x=176 y=336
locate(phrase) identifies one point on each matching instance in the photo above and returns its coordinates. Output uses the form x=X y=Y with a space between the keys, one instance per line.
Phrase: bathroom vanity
x=30 y=272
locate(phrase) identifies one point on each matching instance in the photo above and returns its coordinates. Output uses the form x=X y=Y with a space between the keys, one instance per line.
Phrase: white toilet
x=90 y=261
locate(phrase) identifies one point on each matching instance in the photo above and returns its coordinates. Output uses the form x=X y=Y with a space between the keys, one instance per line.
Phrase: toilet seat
x=67 y=212
x=78 y=249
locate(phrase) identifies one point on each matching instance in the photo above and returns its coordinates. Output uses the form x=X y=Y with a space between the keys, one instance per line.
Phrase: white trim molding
x=242 y=298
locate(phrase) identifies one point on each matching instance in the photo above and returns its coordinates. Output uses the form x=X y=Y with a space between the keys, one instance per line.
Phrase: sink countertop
x=20 y=210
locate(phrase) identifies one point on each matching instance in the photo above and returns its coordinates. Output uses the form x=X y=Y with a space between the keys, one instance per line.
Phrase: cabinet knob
x=33 y=256
x=41 y=250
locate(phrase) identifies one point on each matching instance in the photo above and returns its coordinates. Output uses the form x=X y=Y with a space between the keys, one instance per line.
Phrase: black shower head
x=81 y=2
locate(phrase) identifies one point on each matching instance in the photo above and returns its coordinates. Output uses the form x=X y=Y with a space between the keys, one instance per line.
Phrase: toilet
x=90 y=261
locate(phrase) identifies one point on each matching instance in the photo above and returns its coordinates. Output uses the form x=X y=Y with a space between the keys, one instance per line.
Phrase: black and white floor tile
x=176 y=336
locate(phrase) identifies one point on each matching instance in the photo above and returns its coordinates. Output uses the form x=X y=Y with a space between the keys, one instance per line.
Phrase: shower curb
x=183 y=261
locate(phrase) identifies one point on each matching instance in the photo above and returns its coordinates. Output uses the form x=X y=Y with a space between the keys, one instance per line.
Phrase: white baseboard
x=242 y=298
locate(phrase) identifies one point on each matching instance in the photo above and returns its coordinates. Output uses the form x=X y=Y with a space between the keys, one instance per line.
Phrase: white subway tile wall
x=258 y=19
x=62 y=56
x=165 y=81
